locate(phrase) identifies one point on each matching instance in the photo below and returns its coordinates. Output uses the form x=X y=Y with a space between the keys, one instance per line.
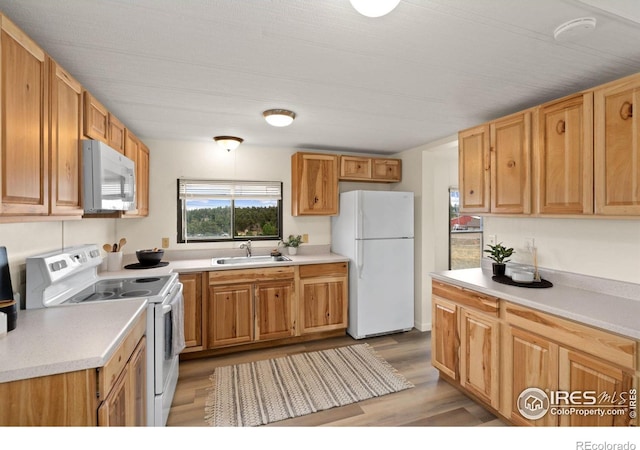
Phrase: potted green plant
x=499 y=254
x=292 y=243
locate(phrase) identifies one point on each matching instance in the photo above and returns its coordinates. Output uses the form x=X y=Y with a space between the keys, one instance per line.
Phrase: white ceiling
x=194 y=69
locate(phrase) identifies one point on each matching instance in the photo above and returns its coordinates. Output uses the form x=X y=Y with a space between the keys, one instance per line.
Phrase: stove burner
x=140 y=293
x=114 y=282
x=103 y=295
x=147 y=280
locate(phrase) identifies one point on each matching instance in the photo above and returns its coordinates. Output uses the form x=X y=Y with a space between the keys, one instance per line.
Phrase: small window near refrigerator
x=465 y=235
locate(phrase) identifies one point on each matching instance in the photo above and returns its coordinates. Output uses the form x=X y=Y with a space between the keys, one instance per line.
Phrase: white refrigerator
x=375 y=230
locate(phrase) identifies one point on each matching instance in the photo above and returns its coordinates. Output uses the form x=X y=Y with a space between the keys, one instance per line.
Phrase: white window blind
x=230 y=190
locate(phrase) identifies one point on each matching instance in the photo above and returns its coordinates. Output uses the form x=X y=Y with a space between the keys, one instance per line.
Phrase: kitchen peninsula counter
x=50 y=341
x=606 y=304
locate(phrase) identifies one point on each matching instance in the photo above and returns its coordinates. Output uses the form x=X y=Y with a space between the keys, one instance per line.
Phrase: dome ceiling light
x=279 y=117
x=374 y=8
x=228 y=142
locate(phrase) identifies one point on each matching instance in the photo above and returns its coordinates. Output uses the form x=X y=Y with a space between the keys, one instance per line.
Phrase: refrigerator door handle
x=359 y=257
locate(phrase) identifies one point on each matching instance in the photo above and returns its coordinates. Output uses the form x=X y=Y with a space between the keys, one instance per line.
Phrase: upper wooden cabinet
x=314 y=184
x=101 y=125
x=24 y=124
x=563 y=160
x=583 y=150
x=510 y=164
x=354 y=168
x=494 y=166
x=66 y=149
x=96 y=119
x=117 y=134
x=135 y=150
x=617 y=147
x=474 y=176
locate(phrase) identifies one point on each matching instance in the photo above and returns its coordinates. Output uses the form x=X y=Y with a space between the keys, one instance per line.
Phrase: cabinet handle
x=626 y=111
x=315 y=199
x=511 y=164
x=561 y=127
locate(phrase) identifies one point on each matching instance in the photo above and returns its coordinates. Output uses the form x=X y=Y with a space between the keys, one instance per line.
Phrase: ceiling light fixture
x=228 y=142
x=374 y=8
x=574 y=29
x=279 y=117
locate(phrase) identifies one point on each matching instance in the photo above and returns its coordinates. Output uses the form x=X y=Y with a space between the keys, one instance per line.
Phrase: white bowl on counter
x=522 y=276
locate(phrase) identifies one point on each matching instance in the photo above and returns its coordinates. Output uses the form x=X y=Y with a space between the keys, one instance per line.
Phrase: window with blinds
x=219 y=210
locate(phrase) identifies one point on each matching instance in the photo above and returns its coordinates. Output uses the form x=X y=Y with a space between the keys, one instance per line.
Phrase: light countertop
x=615 y=313
x=49 y=341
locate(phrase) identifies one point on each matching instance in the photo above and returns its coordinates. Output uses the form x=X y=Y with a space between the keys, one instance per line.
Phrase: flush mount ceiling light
x=228 y=142
x=374 y=8
x=574 y=29
x=279 y=117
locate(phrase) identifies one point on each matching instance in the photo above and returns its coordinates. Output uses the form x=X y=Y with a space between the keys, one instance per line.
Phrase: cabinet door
x=96 y=119
x=617 y=148
x=387 y=170
x=24 y=124
x=510 y=166
x=314 y=184
x=132 y=151
x=323 y=304
x=273 y=310
x=137 y=411
x=479 y=357
x=66 y=146
x=473 y=169
x=579 y=373
x=445 y=342
x=354 y=168
x=533 y=363
x=117 y=134
x=564 y=157
x=229 y=315
x=142 y=173
x=113 y=412
x=192 y=283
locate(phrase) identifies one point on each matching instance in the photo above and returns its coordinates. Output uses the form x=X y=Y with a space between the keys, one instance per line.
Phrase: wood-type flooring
x=432 y=402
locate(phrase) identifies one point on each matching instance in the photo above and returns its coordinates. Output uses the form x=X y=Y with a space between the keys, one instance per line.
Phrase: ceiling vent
x=574 y=29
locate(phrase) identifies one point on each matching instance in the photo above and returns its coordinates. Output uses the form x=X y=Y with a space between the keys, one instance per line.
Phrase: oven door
x=168 y=333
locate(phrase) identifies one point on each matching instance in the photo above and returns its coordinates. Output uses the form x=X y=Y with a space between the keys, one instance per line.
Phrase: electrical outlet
x=529 y=244
x=492 y=239
x=165 y=242
x=305 y=238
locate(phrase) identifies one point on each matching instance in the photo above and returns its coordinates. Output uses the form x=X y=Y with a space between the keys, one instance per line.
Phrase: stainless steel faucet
x=247 y=247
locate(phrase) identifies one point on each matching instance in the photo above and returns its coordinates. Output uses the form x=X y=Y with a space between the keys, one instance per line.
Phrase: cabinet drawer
x=250 y=275
x=610 y=347
x=466 y=297
x=324 y=270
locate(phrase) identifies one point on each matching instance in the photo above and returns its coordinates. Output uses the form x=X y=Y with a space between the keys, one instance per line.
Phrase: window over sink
x=223 y=210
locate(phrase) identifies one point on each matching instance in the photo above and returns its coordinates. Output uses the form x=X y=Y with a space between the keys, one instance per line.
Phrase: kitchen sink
x=249 y=260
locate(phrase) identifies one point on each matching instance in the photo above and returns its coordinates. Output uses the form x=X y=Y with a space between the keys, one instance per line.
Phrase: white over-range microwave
x=109 y=179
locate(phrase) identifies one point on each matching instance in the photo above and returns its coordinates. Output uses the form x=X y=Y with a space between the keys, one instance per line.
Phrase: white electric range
x=70 y=277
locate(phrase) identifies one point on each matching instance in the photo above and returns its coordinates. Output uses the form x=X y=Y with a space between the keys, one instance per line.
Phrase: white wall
x=597 y=247
x=31 y=238
x=170 y=160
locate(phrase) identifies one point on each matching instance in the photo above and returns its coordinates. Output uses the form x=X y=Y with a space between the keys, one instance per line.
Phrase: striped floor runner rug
x=261 y=392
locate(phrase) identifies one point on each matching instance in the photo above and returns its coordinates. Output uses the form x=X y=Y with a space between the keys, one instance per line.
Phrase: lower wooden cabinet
x=324 y=298
x=193 y=309
x=520 y=362
x=112 y=395
x=125 y=405
x=236 y=309
x=249 y=305
x=465 y=340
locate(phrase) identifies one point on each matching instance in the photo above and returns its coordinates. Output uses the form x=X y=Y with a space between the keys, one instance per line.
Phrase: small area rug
x=261 y=392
